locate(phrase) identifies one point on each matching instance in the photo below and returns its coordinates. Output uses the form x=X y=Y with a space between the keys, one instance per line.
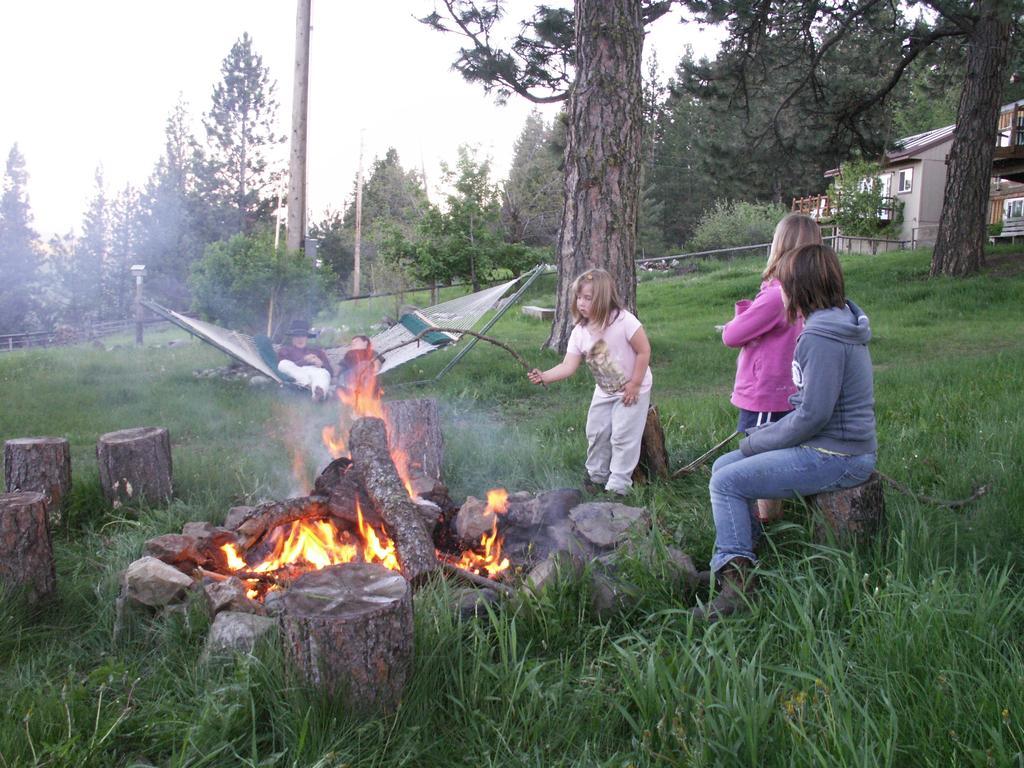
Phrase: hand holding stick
x=693 y=465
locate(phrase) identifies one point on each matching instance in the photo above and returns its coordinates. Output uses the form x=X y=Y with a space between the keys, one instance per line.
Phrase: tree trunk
x=26 y=555
x=40 y=464
x=414 y=427
x=348 y=630
x=414 y=548
x=960 y=242
x=135 y=464
x=602 y=154
x=852 y=515
x=653 y=453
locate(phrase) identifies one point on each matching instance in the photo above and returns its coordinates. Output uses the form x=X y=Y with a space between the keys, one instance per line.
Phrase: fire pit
x=327 y=568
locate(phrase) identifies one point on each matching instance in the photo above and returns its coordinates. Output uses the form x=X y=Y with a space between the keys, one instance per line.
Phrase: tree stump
x=26 y=555
x=348 y=630
x=852 y=515
x=653 y=453
x=414 y=427
x=135 y=464
x=41 y=464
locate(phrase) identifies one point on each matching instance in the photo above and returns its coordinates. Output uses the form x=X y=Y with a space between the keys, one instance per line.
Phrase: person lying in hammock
x=309 y=366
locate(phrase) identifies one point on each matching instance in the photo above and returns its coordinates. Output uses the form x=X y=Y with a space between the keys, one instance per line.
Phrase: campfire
x=332 y=529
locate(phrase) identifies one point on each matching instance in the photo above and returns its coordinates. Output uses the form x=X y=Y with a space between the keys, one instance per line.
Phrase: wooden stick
x=980 y=491
x=473 y=578
x=241 y=576
x=703 y=457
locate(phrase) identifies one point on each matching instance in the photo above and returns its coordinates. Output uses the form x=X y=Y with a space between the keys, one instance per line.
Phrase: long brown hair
x=794 y=230
x=606 y=298
x=811 y=279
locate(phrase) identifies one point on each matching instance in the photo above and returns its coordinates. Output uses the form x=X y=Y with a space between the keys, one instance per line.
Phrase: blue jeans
x=737 y=481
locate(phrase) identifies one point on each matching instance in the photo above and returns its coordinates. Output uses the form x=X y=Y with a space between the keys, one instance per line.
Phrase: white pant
x=307 y=375
x=614 y=433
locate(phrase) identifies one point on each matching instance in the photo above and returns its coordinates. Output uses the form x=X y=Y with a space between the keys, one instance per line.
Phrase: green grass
x=908 y=653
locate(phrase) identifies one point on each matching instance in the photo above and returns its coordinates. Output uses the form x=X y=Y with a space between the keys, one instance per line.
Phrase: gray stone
x=610 y=595
x=198 y=529
x=548 y=571
x=259 y=381
x=234 y=631
x=152 y=582
x=474 y=520
x=607 y=524
x=230 y=595
x=429 y=512
x=273 y=602
x=473 y=604
x=519 y=497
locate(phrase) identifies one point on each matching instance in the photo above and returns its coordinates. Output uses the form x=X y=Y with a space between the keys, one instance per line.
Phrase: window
x=1013 y=209
x=905 y=180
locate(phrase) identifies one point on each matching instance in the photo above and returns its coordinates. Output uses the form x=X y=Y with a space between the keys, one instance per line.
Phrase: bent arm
x=766 y=312
x=642 y=346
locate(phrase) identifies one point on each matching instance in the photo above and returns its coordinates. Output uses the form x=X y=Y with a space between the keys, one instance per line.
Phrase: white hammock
x=398 y=344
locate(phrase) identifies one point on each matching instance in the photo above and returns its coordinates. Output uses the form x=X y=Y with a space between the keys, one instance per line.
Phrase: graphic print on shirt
x=798 y=375
x=607 y=373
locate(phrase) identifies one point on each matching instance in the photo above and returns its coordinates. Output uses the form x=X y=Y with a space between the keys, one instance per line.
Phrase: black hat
x=299 y=328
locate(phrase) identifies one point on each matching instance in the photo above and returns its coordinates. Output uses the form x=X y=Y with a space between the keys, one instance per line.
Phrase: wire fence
x=65 y=334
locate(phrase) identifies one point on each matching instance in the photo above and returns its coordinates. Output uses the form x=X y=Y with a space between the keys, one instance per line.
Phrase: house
x=914 y=174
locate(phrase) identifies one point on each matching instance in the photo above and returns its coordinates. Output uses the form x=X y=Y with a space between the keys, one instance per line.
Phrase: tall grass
x=905 y=653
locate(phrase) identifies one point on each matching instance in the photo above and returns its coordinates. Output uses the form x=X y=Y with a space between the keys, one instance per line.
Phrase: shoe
x=590 y=486
x=736 y=584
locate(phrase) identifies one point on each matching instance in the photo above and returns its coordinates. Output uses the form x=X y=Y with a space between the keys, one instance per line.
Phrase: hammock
x=398 y=344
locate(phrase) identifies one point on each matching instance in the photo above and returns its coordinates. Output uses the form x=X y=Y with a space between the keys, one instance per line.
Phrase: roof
x=911 y=146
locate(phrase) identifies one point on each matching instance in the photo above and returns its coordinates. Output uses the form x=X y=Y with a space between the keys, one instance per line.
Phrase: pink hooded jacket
x=764 y=378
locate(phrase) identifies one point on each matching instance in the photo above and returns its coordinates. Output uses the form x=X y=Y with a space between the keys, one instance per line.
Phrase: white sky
x=87 y=84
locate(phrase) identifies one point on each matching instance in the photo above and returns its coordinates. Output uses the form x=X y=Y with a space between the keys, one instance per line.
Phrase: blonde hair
x=794 y=231
x=606 y=298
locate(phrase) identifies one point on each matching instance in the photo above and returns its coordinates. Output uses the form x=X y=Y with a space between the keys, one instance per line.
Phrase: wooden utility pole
x=356 y=256
x=300 y=98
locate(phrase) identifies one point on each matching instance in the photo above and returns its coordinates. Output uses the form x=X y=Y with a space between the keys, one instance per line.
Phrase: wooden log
x=348 y=630
x=414 y=427
x=414 y=548
x=850 y=516
x=26 y=554
x=135 y=464
x=40 y=464
x=653 y=453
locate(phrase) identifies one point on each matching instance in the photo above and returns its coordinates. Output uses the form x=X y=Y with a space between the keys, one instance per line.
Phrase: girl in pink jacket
x=766 y=339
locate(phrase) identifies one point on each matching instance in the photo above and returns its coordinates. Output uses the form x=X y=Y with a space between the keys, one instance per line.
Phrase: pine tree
x=125 y=238
x=172 y=214
x=241 y=171
x=531 y=208
x=19 y=248
x=92 y=252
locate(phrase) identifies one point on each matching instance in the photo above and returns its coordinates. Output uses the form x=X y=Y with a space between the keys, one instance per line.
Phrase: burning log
x=348 y=630
x=271 y=514
x=40 y=464
x=414 y=428
x=368 y=441
x=135 y=464
x=26 y=555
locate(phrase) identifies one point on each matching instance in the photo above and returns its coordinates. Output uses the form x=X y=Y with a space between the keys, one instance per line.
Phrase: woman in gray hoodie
x=827 y=442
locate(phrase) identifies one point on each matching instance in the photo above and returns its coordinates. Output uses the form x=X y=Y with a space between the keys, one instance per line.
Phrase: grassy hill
x=909 y=653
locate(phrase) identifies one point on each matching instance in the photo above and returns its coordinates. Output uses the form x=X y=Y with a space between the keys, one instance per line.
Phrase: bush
x=733 y=223
x=235 y=281
x=994 y=230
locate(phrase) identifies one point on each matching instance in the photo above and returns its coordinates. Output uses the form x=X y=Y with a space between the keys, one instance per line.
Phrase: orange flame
x=375 y=551
x=364 y=399
x=487 y=556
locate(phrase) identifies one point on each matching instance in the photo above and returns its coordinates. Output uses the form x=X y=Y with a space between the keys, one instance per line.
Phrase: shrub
x=239 y=282
x=733 y=223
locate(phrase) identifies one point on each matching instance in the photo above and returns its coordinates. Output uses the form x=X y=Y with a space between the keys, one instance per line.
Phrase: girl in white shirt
x=612 y=341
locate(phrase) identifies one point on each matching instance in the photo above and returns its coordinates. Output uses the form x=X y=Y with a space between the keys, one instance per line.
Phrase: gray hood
x=848 y=325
